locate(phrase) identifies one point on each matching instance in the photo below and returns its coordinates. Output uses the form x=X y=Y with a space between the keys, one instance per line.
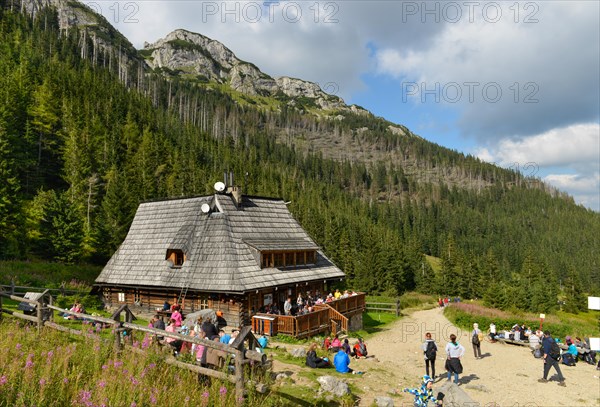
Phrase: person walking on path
x=454 y=352
x=429 y=352
x=476 y=338
x=551 y=357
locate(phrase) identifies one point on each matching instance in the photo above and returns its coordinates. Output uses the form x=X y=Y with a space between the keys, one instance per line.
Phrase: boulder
x=298 y=353
x=384 y=401
x=454 y=395
x=333 y=385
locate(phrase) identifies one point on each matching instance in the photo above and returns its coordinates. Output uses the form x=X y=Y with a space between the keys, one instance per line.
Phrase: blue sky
x=515 y=83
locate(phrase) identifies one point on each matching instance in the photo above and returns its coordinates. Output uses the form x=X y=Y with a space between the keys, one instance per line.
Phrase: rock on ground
x=333 y=385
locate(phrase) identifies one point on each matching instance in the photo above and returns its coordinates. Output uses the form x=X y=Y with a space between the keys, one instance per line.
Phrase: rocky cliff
x=192 y=53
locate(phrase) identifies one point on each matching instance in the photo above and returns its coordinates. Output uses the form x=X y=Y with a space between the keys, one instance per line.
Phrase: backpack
x=537 y=353
x=431 y=350
x=475 y=339
x=554 y=351
x=568 y=359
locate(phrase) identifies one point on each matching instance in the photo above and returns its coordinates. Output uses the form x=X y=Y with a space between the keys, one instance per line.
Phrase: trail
x=507 y=375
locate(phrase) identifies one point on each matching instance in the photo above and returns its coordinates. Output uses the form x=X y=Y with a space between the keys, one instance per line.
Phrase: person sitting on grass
x=336 y=344
x=360 y=349
x=424 y=394
x=341 y=362
x=312 y=360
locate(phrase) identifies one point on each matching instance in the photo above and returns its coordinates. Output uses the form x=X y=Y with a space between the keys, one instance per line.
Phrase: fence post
x=1 y=292
x=40 y=321
x=397 y=307
x=239 y=376
x=12 y=286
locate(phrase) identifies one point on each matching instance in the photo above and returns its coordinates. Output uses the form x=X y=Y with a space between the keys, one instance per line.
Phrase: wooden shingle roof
x=220 y=247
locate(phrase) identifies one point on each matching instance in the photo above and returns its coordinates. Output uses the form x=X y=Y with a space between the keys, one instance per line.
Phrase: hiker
x=341 y=362
x=493 y=332
x=534 y=341
x=346 y=347
x=287 y=306
x=312 y=360
x=176 y=315
x=454 y=352
x=476 y=338
x=360 y=349
x=429 y=352
x=209 y=329
x=551 y=357
x=424 y=394
x=336 y=344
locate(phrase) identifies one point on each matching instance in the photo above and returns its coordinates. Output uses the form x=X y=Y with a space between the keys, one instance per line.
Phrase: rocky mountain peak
x=195 y=54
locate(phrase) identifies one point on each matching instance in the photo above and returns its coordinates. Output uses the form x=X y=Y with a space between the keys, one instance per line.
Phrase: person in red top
x=360 y=349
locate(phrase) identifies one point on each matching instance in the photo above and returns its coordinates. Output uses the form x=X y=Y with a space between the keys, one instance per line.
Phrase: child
x=424 y=394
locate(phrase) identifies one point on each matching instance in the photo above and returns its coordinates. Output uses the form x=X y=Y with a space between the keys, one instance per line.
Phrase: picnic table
x=512 y=342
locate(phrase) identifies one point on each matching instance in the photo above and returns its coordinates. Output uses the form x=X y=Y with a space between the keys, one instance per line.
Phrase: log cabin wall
x=234 y=310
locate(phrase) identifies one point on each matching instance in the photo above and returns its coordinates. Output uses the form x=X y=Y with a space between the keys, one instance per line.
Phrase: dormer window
x=175 y=257
x=288 y=259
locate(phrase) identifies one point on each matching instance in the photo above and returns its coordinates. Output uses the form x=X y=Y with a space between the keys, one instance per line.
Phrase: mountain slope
x=83 y=141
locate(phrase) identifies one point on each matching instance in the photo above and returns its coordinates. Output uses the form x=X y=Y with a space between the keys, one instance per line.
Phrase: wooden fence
x=45 y=315
x=393 y=307
x=14 y=289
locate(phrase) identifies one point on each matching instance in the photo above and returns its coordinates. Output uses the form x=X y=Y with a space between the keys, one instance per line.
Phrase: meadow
x=560 y=324
x=57 y=369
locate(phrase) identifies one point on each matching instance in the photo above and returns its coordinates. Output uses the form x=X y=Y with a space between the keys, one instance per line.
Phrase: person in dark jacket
x=312 y=360
x=549 y=361
x=209 y=329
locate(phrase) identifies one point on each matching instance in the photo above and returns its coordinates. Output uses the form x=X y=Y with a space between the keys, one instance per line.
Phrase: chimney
x=235 y=191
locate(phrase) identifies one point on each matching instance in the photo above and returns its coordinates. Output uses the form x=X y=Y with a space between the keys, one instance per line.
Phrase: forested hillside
x=86 y=137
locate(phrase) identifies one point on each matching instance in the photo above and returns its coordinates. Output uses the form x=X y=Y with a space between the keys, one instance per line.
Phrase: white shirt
x=455 y=351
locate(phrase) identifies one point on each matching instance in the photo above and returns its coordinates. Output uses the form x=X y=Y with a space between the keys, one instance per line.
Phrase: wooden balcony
x=328 y=317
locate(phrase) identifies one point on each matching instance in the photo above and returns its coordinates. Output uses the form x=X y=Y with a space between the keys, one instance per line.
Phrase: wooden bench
x=512 y=342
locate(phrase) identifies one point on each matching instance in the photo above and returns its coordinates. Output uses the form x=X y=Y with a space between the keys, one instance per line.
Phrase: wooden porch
x=327 y=317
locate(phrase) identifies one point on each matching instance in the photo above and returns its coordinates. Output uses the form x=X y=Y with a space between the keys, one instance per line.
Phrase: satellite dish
x=219 y=186
x=205 y=208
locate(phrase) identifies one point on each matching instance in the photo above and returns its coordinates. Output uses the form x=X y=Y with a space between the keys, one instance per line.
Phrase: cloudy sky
x=515 y=83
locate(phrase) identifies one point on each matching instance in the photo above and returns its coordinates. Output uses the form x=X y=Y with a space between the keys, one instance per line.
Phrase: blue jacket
x=341 y=361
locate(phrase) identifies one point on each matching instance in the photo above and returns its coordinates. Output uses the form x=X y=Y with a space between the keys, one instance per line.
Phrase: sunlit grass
x=57 y=369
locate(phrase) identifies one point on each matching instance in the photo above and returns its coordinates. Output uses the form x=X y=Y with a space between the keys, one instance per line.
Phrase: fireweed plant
x=58 y=369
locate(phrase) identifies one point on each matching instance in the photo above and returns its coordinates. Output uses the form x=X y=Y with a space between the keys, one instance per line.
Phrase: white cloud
x=577 y=146
x=567 y=158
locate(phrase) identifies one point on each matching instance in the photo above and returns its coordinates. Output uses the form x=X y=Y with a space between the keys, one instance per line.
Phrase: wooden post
x=1 y=289
x=239 y=376
x=51 y=302
x=12 y=286
x=40 y=321
x=117 y=343
x=397 y=307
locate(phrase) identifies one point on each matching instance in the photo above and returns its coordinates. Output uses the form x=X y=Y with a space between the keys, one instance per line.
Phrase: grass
x=48 y=275
x=57 y=369
x=561 y=324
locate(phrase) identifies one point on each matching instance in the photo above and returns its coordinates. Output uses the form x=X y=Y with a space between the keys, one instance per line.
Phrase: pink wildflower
x=3 y=380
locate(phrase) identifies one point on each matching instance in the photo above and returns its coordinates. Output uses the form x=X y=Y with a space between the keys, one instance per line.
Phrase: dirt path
x=506 y=376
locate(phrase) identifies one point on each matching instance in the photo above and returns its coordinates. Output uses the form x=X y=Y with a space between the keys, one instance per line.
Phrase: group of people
x=304 y=304
x=445 y=301
x=343 y=353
